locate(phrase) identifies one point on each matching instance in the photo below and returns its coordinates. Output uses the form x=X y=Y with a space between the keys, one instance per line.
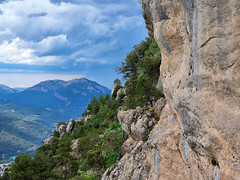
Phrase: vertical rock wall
x=200 y=72
x=198 y=132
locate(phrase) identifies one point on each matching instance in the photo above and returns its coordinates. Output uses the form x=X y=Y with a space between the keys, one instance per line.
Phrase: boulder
x=140 y=128
x=126 y=118
x=138 y=123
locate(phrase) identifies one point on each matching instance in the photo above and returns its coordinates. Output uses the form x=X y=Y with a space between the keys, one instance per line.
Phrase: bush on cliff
x=140 y=70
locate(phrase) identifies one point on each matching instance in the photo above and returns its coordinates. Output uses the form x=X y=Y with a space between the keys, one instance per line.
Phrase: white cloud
x=52 y=42
x=34 y=18
x=19 y=17
x=19 y=51
x=39 y=32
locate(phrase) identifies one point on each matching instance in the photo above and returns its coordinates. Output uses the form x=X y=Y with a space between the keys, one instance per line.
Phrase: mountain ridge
x=37 y=109
x=64 y=96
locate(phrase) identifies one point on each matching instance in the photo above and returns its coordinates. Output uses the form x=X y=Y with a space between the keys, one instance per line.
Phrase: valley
x=27 y=117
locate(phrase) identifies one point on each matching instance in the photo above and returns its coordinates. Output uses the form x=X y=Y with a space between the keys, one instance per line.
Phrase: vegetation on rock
x=99 y=142
x=140 y=69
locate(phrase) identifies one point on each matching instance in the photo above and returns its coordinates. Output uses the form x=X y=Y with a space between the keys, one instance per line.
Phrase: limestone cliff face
x=198 y=132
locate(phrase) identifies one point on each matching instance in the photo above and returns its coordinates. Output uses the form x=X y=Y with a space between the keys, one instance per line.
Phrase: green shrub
x=140 y=69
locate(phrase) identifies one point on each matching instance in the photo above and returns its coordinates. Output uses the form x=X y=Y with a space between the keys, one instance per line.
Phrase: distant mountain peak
x=55 y=85
x=49 y=85
x=79 y=80
x=71 y=97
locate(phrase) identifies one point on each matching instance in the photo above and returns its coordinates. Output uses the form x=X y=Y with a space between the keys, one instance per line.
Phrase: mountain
x=6 y=90
x=29 y=116
x=70 y=97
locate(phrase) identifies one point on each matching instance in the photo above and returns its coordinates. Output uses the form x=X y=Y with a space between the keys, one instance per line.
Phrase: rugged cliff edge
x=197 y=135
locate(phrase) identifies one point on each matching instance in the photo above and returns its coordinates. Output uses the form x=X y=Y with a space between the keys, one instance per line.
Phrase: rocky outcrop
x=70 y=126
x=118 y=91
x=113 y=89
x=66 y=128
x=84 y=119
x=132 y=165
x=62 y=130
x=198 y=132
x=48 y=140
x=121 y=93
x=138 y=123
x=74 y=147
x=143 y=160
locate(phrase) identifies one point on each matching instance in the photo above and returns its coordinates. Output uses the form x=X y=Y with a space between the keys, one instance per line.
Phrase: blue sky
x=63 y=39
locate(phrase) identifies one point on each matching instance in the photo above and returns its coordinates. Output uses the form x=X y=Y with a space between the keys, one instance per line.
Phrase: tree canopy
x=140 y=70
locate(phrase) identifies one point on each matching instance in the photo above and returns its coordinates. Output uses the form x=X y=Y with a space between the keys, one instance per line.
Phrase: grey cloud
x=2 y=1
x=37 y=14
x=72 y=30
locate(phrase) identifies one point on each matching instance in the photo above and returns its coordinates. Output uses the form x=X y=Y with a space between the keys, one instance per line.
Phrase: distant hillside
x=6 y=90
x=69 y=97
x=29 y=116
x=23 y=127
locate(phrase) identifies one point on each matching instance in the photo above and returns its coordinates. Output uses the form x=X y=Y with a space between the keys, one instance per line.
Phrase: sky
x=66 y=39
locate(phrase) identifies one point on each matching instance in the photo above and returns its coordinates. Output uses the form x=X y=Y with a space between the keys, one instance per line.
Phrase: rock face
x=138 y=123
x=121 y=92
x=48 y=140
x=84 y=119
x=70 y=126
x=198 y=132
x=62 y=130
x=74 y=147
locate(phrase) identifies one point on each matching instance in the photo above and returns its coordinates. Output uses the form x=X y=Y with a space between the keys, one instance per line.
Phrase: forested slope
x=85 y=148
